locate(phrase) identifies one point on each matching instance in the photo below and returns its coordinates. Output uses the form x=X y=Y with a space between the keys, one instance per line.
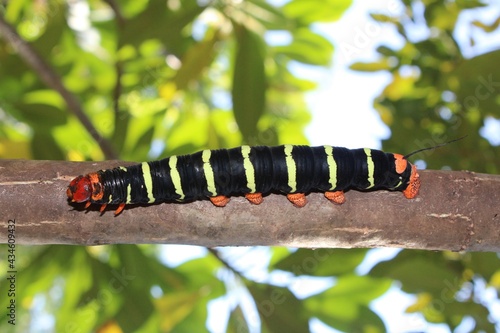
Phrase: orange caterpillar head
x=85 y=188
x=413 y=187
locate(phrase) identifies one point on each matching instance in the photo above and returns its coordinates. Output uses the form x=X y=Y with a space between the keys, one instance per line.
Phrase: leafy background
x=156 y=78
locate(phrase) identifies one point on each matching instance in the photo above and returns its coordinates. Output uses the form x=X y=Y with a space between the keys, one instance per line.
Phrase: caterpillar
x=252 y=172
x=249 y=171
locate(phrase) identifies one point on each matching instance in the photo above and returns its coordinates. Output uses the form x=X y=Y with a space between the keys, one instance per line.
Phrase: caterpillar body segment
x=249 y=171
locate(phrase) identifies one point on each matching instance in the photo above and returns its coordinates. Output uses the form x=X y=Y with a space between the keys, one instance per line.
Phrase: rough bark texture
x=455 y=211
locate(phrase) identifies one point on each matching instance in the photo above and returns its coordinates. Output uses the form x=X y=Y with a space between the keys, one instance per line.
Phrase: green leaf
x=366 y=321
x=77 y=281
x=139 y=136
x=13 y=10
x=54 y=263
x=384 y=18
x=48 y=263
x=202 y=271
x=181 y=140
x=259 y=12
x=102 y=274
x=53 y=23
x=311 y=11
x=163 y=23
x=487 y=27
x=143 y=145
x=300 y=84
x=345 y=305
x=441 y=17
x=135 y=263
x=308 y=47
x=322 y=262
x=203 y=284
x=175 y=307
x=476 y=83
x=222 y=124
x=44 y=147
x=469 y=4
x=137 y=305
x=386 y=51
x=121 y=122
x=14 y=149
x=196 y=59
x=43 y=115
x=45 y=96
x=484 y=264
x=278 y=254
x=237 y=322
x=358 y=289
x=249 y=82
x=456 y=311
x=280 y=311
x=413 y=269
x=381 y=65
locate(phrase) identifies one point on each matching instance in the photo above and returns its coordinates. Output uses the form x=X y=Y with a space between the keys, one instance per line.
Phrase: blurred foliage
x=438 y=94
x=166 y=77
x=152 y=73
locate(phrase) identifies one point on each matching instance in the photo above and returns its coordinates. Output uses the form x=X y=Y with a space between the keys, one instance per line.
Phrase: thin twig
x=219 y=257
x=52 y=79
x=118 y=13
x=117 y=91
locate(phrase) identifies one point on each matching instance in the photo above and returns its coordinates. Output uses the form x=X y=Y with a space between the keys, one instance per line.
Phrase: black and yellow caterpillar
x=248 y=171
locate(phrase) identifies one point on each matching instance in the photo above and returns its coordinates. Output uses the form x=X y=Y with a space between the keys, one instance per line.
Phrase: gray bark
x=458 y=211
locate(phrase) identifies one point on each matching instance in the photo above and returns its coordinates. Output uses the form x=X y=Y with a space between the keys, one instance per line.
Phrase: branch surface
x=455 y=210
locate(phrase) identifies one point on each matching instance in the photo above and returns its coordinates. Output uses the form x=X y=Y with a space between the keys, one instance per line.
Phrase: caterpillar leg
x=219 y=200
x=255 y=198
x=414 y=185
x=119 y=209
x=103 y=207
x=298 y=199
x=336 y=197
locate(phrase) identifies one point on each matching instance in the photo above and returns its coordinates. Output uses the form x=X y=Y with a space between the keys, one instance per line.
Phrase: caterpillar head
x=85 y=188
x=413 y=187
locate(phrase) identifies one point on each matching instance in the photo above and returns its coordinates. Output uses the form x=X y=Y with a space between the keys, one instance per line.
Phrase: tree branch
x=52 y=80
x=454 y=211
